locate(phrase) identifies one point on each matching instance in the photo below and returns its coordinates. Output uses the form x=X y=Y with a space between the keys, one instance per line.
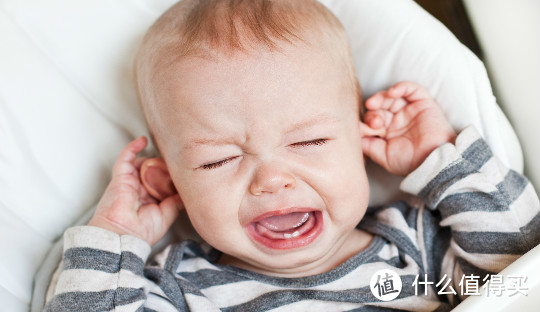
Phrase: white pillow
x=68 y=105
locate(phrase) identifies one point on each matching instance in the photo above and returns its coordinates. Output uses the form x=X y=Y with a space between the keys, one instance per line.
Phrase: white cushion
x=68 y=105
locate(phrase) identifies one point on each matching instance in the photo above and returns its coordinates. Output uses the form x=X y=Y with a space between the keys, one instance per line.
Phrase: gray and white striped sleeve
x=492 y=211
x=103 y=271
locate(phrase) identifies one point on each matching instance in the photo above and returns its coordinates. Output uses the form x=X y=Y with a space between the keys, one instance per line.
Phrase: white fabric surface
x=68 y=105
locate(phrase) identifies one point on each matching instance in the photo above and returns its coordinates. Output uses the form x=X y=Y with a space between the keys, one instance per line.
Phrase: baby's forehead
x=213 y=87
x=253 y=72
x=235 y=88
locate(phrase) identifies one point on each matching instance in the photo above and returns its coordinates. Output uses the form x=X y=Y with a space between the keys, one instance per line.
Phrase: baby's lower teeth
x=294 y=234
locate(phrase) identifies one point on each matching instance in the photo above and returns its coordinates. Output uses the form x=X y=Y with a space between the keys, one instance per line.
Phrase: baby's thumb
x=375 y=149
x=170 y=209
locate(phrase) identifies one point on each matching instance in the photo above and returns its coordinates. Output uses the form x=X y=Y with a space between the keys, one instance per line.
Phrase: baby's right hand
x=126 y=206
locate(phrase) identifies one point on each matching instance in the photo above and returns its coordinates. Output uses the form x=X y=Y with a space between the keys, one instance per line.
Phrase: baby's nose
x=271 y=178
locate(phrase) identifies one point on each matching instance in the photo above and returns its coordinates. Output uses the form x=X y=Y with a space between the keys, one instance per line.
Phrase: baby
x=257 y=114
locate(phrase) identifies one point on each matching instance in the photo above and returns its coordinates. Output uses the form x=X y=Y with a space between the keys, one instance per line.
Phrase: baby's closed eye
x=217 y=164
x=316 y=142
x=301 y=144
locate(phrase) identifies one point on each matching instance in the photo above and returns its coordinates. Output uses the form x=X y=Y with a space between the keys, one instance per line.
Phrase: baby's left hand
x=411 y=126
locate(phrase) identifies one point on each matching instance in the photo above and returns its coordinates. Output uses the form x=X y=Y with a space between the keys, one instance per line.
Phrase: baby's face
x=265 y=151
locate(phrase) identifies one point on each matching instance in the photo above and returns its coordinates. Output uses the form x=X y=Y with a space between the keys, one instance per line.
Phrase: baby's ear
x=156 y=179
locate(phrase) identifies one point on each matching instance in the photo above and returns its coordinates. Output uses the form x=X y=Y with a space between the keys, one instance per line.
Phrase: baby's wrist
x=96 y=238
x=449 y=137
x=109 y=226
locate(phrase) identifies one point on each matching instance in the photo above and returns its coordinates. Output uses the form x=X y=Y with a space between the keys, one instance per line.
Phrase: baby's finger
x=376 y=101
x=375 y=149
x=374 y=119
x=138 y=164
x=409 y=91
x=368 y=131
x=125 y=164
x=378 y=119
x=385 y=101
x=397 y=105
x=139 y=161
x=145 y=198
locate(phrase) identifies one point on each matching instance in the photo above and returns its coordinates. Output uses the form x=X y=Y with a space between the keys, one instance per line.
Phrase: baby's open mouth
x=287 y=230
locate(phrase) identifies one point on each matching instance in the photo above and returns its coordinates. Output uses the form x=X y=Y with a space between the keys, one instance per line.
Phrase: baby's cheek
x=204 y=222
x=354 y=190
x=221 y=231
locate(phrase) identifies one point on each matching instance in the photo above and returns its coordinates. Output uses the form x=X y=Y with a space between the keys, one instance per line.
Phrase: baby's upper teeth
x=304 y=219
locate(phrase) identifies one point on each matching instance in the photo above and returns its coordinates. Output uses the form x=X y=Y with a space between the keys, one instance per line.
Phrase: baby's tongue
x=285 y=222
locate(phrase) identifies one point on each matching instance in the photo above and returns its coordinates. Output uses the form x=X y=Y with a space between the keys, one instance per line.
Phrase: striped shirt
x=472 y=217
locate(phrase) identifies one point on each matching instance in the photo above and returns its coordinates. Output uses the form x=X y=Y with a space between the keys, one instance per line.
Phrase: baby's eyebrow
x=209 y=141
x=316 y=120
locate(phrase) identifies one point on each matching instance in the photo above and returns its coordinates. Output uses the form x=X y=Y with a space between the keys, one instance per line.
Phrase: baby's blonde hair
x=217 y=28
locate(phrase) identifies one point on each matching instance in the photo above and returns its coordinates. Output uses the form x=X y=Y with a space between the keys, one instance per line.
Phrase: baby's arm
x=103 y=271
x=490 y=211
x=102 y=266
x=488 y=214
